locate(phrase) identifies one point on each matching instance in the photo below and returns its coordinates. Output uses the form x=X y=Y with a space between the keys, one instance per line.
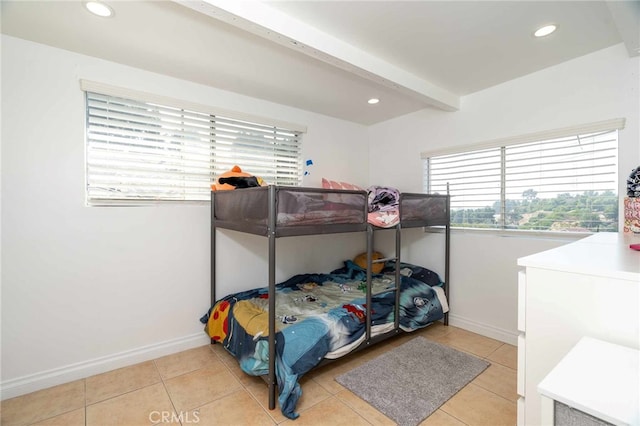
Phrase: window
x=149 y=151
x=564 y=182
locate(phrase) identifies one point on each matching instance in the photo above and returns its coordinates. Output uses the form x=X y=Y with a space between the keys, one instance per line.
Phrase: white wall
x=89 y=289
x=596 y=87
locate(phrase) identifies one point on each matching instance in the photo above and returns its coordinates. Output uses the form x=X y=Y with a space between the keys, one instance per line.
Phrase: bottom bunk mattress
x=320 y=316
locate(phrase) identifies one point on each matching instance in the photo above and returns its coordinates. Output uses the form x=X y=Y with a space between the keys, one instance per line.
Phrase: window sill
x=147 y=203
x=513 y=233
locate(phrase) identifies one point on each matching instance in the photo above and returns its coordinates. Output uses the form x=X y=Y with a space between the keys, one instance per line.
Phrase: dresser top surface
x=605 y=254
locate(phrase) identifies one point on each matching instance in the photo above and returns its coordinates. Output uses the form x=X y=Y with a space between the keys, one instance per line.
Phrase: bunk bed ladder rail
x=447 y=249
x=271 y=231
x=213 y=252
x=369 y=276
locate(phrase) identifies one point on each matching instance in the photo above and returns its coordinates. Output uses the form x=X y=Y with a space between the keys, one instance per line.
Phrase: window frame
x=211 y=137
x=503 y=145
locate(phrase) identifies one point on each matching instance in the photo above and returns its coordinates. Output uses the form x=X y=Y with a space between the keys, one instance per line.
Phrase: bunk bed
x=276 y=211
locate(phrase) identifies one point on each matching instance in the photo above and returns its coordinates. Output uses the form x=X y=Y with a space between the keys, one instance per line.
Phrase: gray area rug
x=411 y=381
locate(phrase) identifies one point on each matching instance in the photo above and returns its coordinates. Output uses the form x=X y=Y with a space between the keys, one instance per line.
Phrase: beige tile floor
x=206 y=387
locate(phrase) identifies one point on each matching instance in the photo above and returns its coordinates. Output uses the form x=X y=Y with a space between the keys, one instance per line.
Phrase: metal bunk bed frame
x=272 y=233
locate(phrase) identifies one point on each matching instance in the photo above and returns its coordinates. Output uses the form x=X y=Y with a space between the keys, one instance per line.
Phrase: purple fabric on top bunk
x=316 y=314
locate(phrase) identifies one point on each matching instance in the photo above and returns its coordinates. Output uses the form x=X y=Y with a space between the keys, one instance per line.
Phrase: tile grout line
x=449 y=414
x=264 y=407
x=85 y=401
x=349 y=407
x=243 y=385
x=164 y=386
x=491 y=363
x=246 y=389
x=224 y=395
x=492 y=392
x=475 y=384
x=123 y=393
x=70 y=410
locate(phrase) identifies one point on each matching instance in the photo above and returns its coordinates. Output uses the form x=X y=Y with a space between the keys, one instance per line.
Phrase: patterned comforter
x=317 y=314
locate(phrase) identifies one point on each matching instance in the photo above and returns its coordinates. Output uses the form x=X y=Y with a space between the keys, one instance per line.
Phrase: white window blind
x=474 y=183
x=565 y=183
x=147 y=151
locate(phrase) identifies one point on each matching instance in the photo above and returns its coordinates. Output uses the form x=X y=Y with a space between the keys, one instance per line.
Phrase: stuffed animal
x=236 y=178
x=361 y=261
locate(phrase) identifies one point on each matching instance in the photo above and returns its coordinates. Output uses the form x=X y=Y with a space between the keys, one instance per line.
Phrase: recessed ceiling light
x=373 y=101
x=545 y=31
x=98 y=8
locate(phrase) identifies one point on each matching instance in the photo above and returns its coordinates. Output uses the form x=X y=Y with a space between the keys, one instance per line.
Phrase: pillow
x=332 y=184
x=351 y=199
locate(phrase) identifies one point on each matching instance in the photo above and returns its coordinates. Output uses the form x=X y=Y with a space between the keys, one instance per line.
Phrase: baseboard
x=502 y=335
x=45 y=379
x=57 y=376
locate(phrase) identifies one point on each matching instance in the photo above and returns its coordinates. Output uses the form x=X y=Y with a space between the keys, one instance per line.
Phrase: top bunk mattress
x=296 y=210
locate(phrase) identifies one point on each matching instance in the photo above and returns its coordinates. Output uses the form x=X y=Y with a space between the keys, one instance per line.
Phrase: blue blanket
x=317 y=314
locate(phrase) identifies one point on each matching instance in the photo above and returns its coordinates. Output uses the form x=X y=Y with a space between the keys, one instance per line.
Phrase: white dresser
x=587 y=288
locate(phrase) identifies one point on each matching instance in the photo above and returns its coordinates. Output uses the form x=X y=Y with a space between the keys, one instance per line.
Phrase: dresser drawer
x=522 y=292
x=520 y=407
x=521 y=364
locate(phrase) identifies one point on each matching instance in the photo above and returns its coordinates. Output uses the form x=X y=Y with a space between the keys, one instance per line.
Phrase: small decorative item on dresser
x=632 y=202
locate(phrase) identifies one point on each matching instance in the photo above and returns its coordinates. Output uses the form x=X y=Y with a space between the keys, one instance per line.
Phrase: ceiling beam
x=626 y=16
x=267 y=22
